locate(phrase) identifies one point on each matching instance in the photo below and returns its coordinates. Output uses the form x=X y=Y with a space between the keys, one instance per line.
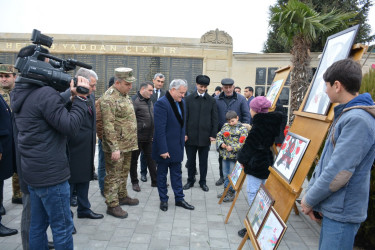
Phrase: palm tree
x=299 y=25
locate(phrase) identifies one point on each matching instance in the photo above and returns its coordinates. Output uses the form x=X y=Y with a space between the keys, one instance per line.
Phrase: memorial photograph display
x=259 y=91
x=236 y=173
x=271 y=74
x=259 y=208
x=337 y=47
x=284 y=96
x=260 y=76
x=272 y=231
x=274 y=90
x=290 y=155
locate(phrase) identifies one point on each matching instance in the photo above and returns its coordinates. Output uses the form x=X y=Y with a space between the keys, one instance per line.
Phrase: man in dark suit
x=158 y=93
x=7 y=154
x=81 y=150
x=169 y=141
x=201 y=129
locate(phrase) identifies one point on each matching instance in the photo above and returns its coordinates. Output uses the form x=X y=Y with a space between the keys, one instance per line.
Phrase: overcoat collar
x=174 y=108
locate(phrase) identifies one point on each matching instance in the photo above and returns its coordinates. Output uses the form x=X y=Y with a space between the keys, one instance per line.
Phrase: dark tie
x=179 y=109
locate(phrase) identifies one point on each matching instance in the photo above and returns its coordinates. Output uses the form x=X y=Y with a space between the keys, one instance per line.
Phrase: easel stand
x=237 y=187
x=249 y=235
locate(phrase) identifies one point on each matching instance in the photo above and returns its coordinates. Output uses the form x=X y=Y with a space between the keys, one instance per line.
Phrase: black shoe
x=204 y=187
x=4 y=231
x=184 y=204
x=143 y=178
x=102 y=193
x=220 y=181
x=2 y=210
x=51 y=245
x=163 y=206
x=73 y=201
x=16 y=200
x=90 y=215
x=74 y=230
x=188 y=185
x=95 y=176
x=242 y=232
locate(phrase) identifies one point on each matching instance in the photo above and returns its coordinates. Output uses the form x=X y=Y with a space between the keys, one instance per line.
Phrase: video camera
x=51 y=74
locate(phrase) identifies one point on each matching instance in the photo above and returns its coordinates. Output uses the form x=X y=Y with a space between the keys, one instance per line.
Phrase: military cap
x=125 y=74
x=203 y=80
x=7 y=69
x=227 y=81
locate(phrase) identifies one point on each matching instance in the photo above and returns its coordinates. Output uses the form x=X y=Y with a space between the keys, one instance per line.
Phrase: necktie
x=158 y=93
x=178 y=108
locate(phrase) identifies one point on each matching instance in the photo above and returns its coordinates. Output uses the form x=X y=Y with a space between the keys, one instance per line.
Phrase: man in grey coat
x=201 y=129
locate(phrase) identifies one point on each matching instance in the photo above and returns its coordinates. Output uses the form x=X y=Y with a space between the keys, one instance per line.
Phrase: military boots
x=117 y=212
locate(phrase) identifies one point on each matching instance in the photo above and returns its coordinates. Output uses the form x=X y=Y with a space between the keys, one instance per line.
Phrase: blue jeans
x=50 y=206
x=101 y=167
x=337 y=235
x=227 y=169
x=253 y=184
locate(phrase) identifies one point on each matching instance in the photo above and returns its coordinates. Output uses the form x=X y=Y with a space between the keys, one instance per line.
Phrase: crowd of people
x=48 y=143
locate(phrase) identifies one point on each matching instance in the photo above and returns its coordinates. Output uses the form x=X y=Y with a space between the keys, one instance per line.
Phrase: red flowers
x=242 y=139
x=286 y=130
x=226 y=134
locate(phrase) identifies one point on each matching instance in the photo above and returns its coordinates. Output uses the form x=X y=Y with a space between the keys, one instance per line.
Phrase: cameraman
x=43 y=124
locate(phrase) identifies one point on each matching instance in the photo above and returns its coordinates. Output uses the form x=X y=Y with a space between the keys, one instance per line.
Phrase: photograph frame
x=286 y=164
x=271 y=72
x=272 y=231
x=260 y=76
x=258 y=209
x=236 y=175
x=337 y=47
x=274 y=91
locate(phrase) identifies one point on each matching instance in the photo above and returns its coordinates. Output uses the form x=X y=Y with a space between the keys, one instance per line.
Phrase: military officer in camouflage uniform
x=7 y=80
x=119 y=140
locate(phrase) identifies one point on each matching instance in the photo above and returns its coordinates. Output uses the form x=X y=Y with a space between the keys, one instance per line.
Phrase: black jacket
x=144 y=112
x=43 y=124
x=256 y=155
x=7 y=162
x=201 y=119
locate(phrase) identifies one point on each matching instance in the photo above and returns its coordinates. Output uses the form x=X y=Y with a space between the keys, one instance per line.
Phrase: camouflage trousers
x=116 y=178
x=16 y=186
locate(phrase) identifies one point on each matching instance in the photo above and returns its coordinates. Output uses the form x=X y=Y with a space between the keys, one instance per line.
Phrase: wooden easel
x=237 y=187
x=315 y=128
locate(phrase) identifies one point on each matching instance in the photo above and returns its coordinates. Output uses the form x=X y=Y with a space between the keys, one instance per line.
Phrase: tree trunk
x=301 y=73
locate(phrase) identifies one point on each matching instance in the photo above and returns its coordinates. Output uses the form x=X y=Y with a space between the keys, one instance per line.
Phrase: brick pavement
x=147 y=227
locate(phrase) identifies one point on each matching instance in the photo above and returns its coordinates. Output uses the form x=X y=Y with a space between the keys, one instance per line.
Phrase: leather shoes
x=184 y=204
x=2 y=210
x=74 y=230
x=95 y=176
x=90 y=215
x=17 y=200
x=163 y=206
x=136 y=187
x=188 y=185
x=4 y=231
x=204 y=187
x=143 y=178
x=51 y=245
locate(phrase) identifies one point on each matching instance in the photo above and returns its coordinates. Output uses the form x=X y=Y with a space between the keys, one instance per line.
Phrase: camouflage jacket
x=5 y=94
x=233 y=136
x=119 y=122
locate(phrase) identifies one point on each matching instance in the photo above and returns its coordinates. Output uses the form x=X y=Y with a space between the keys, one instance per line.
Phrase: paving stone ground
x=147 y=227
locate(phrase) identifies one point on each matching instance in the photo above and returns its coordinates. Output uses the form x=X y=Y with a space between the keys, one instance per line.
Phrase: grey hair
x=160 y=75
x=177 y=83
x=87 y=73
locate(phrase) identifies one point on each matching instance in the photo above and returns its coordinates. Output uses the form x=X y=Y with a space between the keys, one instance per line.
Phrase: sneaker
x=143 y=178
x=242 y=232
x=219 y=195
x=117 y=212
x=220 y=181
x=128 y=201
x=229 y=197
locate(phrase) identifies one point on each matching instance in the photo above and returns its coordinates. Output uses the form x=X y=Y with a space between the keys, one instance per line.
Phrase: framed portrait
x=284 y=96
x=337 y=47
x=274 y=90
x=290 y=154
x=260 y=76
x=259 y=209
x=259 y=91
x=287 y=82
x=271 y=74
x=236 y=175
x=271 y=232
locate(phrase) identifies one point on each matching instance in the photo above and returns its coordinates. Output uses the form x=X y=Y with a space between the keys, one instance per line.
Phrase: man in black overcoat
x=201 y=129
x=7 y=154
x=81 y=150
